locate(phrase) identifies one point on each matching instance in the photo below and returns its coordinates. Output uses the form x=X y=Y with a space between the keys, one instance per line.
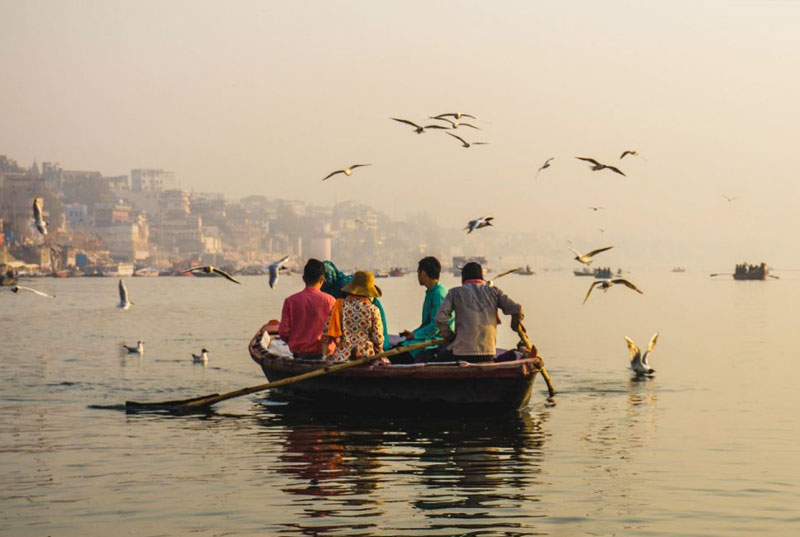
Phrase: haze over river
x=709 y=446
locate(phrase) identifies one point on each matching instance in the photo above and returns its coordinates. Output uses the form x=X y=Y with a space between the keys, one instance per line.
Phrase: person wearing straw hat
x=354 y=327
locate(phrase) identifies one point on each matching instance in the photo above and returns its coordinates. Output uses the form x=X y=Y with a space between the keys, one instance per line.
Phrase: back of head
x=472 y=271
x=430 y=266
x=313 y=271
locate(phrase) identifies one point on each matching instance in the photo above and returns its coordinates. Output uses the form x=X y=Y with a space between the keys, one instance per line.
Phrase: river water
x=709 y=446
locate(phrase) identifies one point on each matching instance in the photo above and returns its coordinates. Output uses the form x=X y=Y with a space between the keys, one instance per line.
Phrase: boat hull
x=492 y=386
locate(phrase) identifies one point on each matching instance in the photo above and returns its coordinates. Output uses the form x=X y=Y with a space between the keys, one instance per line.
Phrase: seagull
x=490 y=283
x=629 y=152
x=596 y=166
x=210 y=269
x=455 y=124
x=273 y=271
x=729 y=198
x=38 y=218
x=595 y=209
x=478 y=223
x=606 y=284
x=545 y=165
x=639 y=363
x=139 y=348
x=124 y=302
x=347 y=171
x=419 y=129
x=464 y=143
x=457 y=115
x=586 y=259
x=18 y=288
x=202 y=358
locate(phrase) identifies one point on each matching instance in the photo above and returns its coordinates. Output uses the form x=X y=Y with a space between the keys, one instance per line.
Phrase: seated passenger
x=475 y=304
x=305 y=313
x=354 y=328
x=428 y=272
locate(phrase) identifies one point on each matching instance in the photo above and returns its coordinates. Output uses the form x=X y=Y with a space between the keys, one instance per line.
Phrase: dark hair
x=472 y=271
x=313 y=271
x=430 y=266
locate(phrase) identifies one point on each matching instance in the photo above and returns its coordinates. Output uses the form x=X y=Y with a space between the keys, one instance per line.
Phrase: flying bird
x=606 y=284
x=124 y=302
x=274 y=269
x=595 y=209
x=210 y=269
x=455 y=124
x=586 y=259
x=464 y=143
x=596 y=166
x=419 y=129
x=201 y=358
x=138 y=349
x=729 y=198
x=457 y=115
x=38 y=218
x=18 y=288
x=478 y=223
x=347 y=171
x=639 y=363
x=490 y=283
x=629 y=152
x=545 y=165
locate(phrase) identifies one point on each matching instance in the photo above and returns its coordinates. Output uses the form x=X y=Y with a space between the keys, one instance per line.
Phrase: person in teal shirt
x=428 y=272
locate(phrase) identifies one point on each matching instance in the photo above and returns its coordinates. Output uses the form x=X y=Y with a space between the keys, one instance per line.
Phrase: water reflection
x=470 y=474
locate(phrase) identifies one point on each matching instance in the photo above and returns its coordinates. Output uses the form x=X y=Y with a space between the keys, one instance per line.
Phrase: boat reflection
x=473 y=472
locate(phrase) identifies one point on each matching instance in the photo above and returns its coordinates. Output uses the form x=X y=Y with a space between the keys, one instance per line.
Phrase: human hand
x=407 y=334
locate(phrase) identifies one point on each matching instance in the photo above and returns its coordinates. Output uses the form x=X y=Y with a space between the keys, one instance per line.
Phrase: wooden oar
x=523 y=334
x=196 y=403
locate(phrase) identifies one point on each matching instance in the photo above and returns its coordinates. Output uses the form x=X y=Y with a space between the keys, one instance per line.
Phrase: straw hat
x=363 y=284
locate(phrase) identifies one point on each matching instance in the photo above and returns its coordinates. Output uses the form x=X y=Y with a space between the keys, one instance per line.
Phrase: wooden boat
x=396 y=272
x=491 y=386
x=751 y=272
x=601 y=273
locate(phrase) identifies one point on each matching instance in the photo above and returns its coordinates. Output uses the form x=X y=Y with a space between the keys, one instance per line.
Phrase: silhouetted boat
x=751 y=272
x=595 y=273
x=487 y=386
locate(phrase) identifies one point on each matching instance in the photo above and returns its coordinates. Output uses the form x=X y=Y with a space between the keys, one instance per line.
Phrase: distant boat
x=751 y=272
x=396 y=272
x=118 y=270
x=603 y=273
x=527 y=271
x=147 y=272
x=381 y=274
x=678 y=269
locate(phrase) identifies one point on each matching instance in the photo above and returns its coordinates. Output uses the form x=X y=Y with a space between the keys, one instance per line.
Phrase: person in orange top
x=305 y=313
x=354 y=328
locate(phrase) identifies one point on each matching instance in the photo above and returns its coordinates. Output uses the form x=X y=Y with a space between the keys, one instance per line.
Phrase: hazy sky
x=268 y=97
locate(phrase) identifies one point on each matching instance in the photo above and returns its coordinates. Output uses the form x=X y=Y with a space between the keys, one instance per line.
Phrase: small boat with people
x=600 y=273
x=746 y=271
x=498 y=385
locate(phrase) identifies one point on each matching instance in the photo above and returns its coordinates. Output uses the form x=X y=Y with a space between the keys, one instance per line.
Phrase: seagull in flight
x=18 y=288
x=545 y=165
x=729 y=198
x=201 y=358
x=124 y=302
x=606 y=284
x=629 y=152
x=464 y=143
x=639 y=363
x=457 y=115
x=490 y=283
x=478 y=223
x=595 y=209
x=210 y=269
x=138 y=349
x=455 y=124
x=274 y=268
x=586 y=259
x=38 y=218
x=347 y=171
x=419 y=129
x=596 y=166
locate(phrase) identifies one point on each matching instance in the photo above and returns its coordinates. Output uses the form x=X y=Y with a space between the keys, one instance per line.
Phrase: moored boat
x=490 y=386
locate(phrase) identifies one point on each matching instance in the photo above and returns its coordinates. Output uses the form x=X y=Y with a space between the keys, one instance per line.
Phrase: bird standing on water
x=138 y=349
x=274 y=269
x=210 y=269
x=201 y=358
x=347 y=171
x=124 y=301
x=597 y=166
x=639 y=363
x=586 y=259
x=478 y=223
x=605 y=285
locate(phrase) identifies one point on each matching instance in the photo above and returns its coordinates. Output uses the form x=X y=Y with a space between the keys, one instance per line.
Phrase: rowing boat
x=490 y=386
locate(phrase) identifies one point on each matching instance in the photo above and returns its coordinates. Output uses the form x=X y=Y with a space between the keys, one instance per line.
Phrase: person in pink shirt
x=304 y=314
